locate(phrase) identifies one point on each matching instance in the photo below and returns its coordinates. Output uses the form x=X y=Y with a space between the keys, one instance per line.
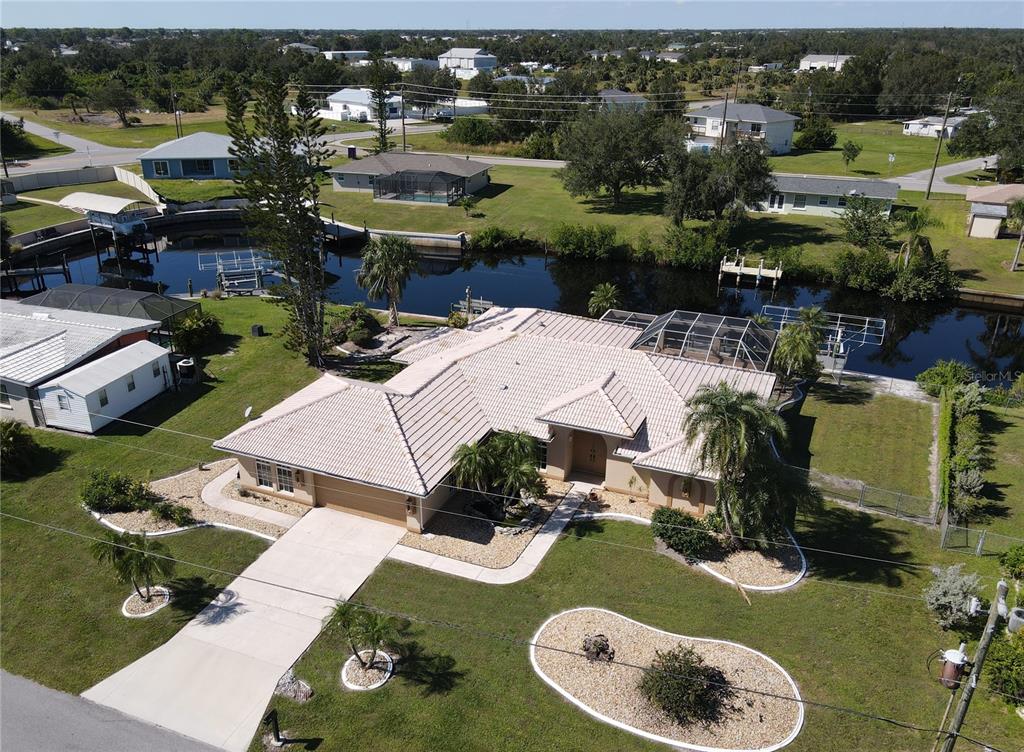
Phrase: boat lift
x=239 y=271
x=841 y=334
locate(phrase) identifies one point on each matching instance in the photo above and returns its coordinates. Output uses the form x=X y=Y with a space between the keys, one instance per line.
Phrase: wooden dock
x=36 y=275
x=739 y=268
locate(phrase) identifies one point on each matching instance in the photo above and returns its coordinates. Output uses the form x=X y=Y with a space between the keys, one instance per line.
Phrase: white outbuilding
x=89 y=397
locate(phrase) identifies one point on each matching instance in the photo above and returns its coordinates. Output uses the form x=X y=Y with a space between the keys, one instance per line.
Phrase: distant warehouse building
x=825 y=196
x=409 y=64
x=824 y=62
x=467 y=62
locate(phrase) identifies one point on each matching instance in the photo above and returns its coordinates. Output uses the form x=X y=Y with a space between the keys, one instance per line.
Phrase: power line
x=476 y=631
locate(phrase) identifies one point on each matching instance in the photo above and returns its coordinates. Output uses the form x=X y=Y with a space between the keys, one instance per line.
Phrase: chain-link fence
x=977 y=541
x=885 y=501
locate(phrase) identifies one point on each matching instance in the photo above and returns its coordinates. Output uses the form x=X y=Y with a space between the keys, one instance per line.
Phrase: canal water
x=917 y=334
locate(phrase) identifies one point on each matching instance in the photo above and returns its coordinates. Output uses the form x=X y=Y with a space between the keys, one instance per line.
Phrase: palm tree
x=135 y=559
x=513 y=448
x=602 y=298
x=737 y=428
x=388 y=263
x=345 y=618
x=796 y=349
x=521 y=478
x=472 y=466
x=763 y=321
x=1016 y=213
x=376 y=631
x=914 y=224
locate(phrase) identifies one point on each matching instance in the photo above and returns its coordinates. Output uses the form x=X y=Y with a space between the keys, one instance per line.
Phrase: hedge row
x=945 y=445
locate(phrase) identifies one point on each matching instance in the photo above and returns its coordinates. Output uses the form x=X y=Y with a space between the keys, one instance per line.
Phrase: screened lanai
x=116 y=302
x=434 y=187
x=707 y=337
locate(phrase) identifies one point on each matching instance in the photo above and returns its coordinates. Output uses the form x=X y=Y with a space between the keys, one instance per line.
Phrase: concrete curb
x=646 y=734
x=156 y=590
x=174 y=531
x=375 y=685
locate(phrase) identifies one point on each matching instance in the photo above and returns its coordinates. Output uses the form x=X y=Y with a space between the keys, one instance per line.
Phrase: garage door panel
x=364 y=502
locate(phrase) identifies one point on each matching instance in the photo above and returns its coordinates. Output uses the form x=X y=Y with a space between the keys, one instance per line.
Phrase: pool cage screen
x=416 y=185
x=707 y=337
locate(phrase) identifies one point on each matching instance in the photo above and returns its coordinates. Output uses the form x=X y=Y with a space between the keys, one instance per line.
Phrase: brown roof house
x=605 y=398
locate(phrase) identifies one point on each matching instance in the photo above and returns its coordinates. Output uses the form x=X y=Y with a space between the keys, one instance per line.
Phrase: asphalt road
x=34 y=718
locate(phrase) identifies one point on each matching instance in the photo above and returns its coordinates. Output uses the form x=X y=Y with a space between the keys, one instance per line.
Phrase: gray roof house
x=429 y=178
x=619 y=99
x=824 y=195
x=755 y=122
x=199 y=156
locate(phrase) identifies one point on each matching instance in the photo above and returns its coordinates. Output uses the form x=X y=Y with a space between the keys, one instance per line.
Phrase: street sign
x=892 y=158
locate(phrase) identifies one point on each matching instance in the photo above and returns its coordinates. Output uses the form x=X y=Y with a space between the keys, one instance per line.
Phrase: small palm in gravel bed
x=363 y=630
x=135 y=558
x=685 y=688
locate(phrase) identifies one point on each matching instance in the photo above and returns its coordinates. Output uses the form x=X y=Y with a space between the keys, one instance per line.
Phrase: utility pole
x=725 y=111
x=995 y=611
x=938 y=146
x=401 y=93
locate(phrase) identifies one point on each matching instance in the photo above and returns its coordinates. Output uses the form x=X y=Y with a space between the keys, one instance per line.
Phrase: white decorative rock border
x=717 y=575
x=358 y=688
x=157 y=590
x=174 y=531
x=646 y=734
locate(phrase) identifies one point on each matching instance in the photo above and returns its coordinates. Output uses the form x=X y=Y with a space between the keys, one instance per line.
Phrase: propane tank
x=953 y=662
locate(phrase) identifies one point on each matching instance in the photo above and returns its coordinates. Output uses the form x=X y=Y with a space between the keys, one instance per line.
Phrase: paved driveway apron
x=214 y=678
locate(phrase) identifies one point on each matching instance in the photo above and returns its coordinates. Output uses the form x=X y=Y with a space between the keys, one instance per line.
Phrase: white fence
x=36 y=180
x=135 y=181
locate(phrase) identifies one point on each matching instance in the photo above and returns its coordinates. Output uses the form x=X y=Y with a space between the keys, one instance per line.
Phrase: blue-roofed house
x=198 y=156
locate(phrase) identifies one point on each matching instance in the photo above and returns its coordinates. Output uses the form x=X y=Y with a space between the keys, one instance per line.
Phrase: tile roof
x=37 y=343
x=512 y=369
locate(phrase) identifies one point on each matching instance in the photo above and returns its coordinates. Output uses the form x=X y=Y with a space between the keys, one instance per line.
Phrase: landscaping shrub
x=970 y=398
x=538 y=145
x=948 y=373
x=969 y=482
x=928 y=277
x=584 y=241
x=685 y=688
x=355 y=323
x=472 y=131
x=869 y=270
x=457 y=320
x=949 y=595
x=195 y=331
x=683 y=533
x=817 y=133
x=1004 y=666
x=360 y=336
x=176 y=513
x=714 y=521
x=1012 y=561
x=945 y=444
x=496 y=240
x=107 y=493
x=18 y=450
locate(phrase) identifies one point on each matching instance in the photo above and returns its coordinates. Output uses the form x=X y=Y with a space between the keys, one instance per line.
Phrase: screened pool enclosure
x=433 y=187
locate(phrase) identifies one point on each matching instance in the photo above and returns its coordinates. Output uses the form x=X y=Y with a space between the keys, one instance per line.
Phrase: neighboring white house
x=617 y=99
x=829 y=62
x=467 y=62
x=824 y=196
x=38 y=344
x=533 y=84
x=90 y=396
x=930 y=126
x=764 y=67
x=409 y=64
x=754 y=122
x=357 y=104
x=351 y=56
x=300 y=47
x=670 y=57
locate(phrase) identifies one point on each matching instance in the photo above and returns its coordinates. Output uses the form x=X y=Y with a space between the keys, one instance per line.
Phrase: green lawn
x=461 y=690
x=1004 y=470
x=185 y=191
x=435 y=143
x=62 y=624
x=24 y=216
x=38 y=147
x=878 y=140
x=974 y=178
x=106 y=188
x=155 y=128
x=881 y=440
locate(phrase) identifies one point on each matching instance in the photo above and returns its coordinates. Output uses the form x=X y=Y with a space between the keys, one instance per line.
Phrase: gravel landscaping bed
x=475 y=540
x=610 y=501
x=136 y=606
x=753 y=722
x=373 y=675
x=778 y=567
x=185 y=490
x=233 y=491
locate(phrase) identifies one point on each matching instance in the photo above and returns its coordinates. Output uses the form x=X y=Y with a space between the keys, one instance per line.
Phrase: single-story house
x=39 y=344
x=302 y=47
x=670 y=57
x=91 y=396
x=533 y=84
x=199 y=156
x=409 y=64
x=358 y=104
x=617 y=99
x=929 y=127
x=824 y=196
x=430 y=178
x=467 y=62
x=605 y=399
x=990 y=208
x=352 y=56
x=762 y=67
x=754 y=122
x=829 y=62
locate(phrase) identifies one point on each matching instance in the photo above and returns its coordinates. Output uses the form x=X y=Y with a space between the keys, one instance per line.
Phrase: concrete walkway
x=213 y=495
x=213 y=679
x=39 y=718
x=523 y=567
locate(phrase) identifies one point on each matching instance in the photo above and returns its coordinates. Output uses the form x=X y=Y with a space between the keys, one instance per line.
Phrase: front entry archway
x=589 y=453
x=688 y=494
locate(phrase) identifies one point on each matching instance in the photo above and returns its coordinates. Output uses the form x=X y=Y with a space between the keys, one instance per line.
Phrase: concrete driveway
x=214 y=678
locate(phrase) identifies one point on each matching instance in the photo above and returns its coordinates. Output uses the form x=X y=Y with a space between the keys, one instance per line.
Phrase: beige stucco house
x=605 y=398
